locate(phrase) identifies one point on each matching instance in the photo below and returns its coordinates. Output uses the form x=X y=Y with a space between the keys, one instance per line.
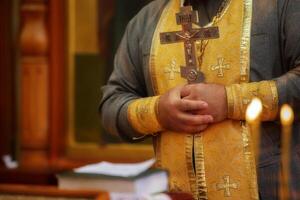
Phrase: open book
x=136 y=178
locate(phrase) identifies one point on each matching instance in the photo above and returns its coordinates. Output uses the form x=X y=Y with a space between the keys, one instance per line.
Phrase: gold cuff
x=240 y=95
x=230 y=102
x=142 y=115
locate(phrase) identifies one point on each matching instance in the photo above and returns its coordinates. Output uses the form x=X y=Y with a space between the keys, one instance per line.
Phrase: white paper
x=112 y=169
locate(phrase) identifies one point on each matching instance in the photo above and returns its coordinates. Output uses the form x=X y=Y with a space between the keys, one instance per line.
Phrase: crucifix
x=189 y=36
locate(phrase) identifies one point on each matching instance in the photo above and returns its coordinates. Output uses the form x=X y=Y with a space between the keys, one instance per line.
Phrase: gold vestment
x=217 y=163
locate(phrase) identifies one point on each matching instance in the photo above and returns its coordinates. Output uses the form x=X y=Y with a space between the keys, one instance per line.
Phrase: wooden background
x=34 y=100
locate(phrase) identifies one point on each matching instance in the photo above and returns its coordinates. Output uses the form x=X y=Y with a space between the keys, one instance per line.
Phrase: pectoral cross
x=189 y=36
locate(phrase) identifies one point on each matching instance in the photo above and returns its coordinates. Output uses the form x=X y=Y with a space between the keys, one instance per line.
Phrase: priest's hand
x=177 y=114
x=213 y=94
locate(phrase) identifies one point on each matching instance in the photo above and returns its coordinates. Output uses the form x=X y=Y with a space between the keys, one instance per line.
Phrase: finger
x=190 y=97
x=199 y=112
x=174 y=94
x=192 y=105
x=194 y=120
x=185 y=91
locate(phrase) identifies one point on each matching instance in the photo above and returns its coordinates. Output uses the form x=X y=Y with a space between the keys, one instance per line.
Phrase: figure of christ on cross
x=189 y=36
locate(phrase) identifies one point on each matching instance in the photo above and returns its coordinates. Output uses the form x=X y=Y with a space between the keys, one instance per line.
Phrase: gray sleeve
x=127 y=81
x=289 y=84
x=125 y=84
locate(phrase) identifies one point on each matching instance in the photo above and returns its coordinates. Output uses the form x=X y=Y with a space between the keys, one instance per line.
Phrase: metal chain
x=203 y=43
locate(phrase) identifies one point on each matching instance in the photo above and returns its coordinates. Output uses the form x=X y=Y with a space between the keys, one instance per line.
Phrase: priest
x=184 y=74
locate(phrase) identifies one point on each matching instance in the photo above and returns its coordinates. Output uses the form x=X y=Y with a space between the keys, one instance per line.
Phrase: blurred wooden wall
x=33 y=88
x=33 y=96
x=41 y=102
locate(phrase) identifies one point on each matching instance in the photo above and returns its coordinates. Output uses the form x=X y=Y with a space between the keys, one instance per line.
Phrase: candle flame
x=286 y=115
x=254 y=110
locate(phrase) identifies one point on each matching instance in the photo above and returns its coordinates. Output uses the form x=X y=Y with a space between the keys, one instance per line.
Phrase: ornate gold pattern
x=226 y=186
x=189 y=148
x=172 y=70
x=245 y=41
x=200 y=167
x=240 y=95
x=142 y=115
x=249 y=161
x=220 y=67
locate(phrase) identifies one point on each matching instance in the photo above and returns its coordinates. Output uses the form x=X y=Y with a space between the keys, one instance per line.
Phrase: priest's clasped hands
x=191 y=108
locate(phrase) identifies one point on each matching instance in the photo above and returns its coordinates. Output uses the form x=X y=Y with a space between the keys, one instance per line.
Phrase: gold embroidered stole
x=217 y=163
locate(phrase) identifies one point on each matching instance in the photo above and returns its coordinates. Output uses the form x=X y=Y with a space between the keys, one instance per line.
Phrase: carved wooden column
x=34 y=80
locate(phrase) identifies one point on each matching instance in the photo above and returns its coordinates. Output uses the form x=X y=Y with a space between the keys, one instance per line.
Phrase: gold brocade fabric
x=223 y=166
x=142 y=112
x=240 y=95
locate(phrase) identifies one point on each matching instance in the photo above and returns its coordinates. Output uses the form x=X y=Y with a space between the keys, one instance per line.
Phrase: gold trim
x=249 y=161
x=230 y=101
x=200 y=168
x=275 y=100
x=157 y=142
x=245 y=41
x=189 y=148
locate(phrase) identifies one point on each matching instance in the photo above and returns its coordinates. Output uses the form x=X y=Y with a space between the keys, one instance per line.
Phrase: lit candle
x=253 y=114
x=287 y=118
